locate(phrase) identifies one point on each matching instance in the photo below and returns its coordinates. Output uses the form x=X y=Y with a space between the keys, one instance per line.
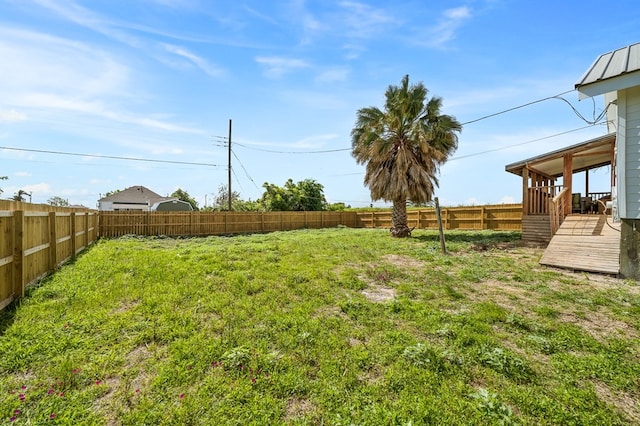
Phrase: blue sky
x=160 y=79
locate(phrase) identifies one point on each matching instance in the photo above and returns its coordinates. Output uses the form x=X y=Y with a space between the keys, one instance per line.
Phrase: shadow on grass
x=474 y=237
x=7 y=316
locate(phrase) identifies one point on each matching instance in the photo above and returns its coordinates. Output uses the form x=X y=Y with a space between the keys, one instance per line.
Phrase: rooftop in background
x=612 y=71
x=593 y=153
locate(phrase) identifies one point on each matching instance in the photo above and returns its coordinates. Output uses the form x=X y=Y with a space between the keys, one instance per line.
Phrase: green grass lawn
x=335 y=326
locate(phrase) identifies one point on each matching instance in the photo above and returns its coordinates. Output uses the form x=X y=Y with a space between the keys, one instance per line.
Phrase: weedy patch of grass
x=335 y=326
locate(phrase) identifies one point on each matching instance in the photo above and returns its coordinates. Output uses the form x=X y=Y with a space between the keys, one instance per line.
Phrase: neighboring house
x=171 y=205
x=135 y=198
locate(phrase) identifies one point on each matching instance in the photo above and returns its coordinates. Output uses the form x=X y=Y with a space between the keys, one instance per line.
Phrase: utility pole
x=229 y=165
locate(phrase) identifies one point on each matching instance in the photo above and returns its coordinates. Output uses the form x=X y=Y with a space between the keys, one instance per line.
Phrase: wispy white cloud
x=314 y=141
x=201 y=63
x=82 y=16
x=12 y=116
x=364 y=21
x=59 y=81
x=175 y=4
x=46 y=63
x=97 y=108
x=277 y=66
x=445 y=30
x=263 y=17
x=332 y=75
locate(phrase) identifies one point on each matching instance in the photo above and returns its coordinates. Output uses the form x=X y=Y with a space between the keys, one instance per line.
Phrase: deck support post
x=525 y=190
x=630 y=249
x=567 y=179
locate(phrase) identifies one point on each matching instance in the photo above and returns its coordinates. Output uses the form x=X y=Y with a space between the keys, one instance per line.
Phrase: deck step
x=585 y=243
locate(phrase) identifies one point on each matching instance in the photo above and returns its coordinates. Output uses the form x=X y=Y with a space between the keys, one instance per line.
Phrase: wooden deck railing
x=538 y=198
x=558 y=208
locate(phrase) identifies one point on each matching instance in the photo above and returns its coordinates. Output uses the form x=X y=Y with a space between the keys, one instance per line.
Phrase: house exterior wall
x=110 y=206
x=629 y=152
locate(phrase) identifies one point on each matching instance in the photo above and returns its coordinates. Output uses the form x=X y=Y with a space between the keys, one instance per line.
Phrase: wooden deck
x=585 y=243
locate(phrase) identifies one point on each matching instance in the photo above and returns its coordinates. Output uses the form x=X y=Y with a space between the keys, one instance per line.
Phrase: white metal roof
x=616 y=70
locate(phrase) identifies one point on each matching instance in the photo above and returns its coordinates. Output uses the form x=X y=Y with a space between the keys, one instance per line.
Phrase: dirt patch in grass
x=503 y=294
x=106 y=404
x=622 y=401
x=600 y=326
x=329 y=311
x=119 y=387
x=597 y=281
x=297 y=408
x=403 y=261
x=597 y=323
x=126 y=306
x=379 y=294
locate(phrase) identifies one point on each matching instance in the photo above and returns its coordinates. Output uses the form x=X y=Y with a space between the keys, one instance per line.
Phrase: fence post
x=18 y=253
x=86 y=229
x=482 y=217
x=73 y=235
x=443 y=246
x=53 y=241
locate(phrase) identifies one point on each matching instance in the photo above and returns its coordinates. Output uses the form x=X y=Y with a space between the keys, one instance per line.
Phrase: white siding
x=631 y=132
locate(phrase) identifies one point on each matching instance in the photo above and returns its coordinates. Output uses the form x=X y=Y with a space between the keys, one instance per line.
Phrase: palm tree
x=403 y=148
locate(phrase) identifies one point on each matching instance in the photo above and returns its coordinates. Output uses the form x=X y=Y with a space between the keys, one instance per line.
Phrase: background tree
x=3 y=178
x=58 y=201
x=184 y=196
x=403 y=148
x=306 y=195
x=110 y=193
x=21 y=195
x=335 y=207
x=221 y=203
x=221 y=199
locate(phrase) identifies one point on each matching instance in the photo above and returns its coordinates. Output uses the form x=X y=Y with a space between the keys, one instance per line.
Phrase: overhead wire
x=516 y=107
x=245 y=170
x=112 y=157
x=292 y=152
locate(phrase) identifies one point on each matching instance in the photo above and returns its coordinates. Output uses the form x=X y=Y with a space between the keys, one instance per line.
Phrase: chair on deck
x=576 y=205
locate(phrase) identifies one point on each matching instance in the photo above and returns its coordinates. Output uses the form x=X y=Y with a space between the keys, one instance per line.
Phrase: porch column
x=525 y=190
x=586 y=183
x=567 y=176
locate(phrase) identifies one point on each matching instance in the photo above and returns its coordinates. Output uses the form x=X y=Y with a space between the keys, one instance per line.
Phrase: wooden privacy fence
x=36 y=239
x=35 y=243
x=116 y=224
x=503 y=217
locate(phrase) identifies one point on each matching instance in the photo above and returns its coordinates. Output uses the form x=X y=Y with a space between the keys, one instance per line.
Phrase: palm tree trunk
x=399 y=226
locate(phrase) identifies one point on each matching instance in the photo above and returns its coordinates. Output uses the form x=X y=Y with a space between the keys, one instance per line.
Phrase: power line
x=245 y=170
x=517 y=107
x=293 y=152
x=521 y=143
x=501 y=148
x=108 y=156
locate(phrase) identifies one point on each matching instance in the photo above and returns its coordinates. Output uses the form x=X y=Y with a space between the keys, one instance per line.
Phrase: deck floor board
x=585 y=243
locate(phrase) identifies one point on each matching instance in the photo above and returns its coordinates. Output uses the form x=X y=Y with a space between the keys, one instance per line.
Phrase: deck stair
x=585 y=242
